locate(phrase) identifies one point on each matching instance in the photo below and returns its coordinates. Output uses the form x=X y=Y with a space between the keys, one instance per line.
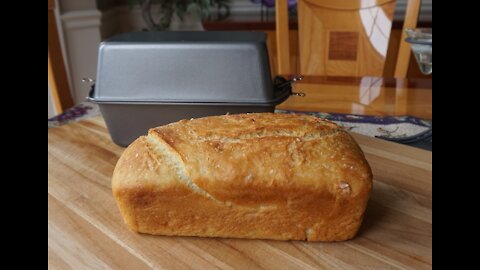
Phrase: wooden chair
x=343 y=38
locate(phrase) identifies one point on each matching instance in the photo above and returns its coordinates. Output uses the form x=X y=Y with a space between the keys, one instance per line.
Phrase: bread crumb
x=344 y=187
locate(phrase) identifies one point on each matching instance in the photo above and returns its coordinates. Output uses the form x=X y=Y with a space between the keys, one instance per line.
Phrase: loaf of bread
x=269 y=176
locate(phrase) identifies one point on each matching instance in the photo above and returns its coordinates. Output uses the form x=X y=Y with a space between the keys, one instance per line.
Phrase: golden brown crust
x=274 y=176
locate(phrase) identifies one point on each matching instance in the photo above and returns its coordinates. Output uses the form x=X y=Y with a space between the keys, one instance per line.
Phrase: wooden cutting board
x=86 y=231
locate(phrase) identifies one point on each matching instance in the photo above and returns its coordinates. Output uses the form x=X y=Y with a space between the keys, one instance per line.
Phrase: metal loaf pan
x=147 y=79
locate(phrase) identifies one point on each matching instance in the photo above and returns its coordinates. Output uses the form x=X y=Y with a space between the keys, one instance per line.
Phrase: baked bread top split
x=248 y=159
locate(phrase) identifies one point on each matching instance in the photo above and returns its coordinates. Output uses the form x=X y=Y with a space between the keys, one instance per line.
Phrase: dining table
x=86 y=230
x=363 y=95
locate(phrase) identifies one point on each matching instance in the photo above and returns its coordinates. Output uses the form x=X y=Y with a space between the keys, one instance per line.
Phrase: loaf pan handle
x=283 y=88
x=92 y=88
x=90 y=94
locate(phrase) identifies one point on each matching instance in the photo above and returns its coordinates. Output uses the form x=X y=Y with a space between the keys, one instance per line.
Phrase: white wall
x=76 y=5
x=79 y=27
x=82 y=38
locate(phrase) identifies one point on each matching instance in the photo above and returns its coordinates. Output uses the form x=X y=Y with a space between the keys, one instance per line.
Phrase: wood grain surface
x=362 y=95
x=86 y=231
x=344 y=38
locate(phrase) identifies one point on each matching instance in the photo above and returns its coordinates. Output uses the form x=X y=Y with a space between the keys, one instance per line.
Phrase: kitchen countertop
x=85 y=229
